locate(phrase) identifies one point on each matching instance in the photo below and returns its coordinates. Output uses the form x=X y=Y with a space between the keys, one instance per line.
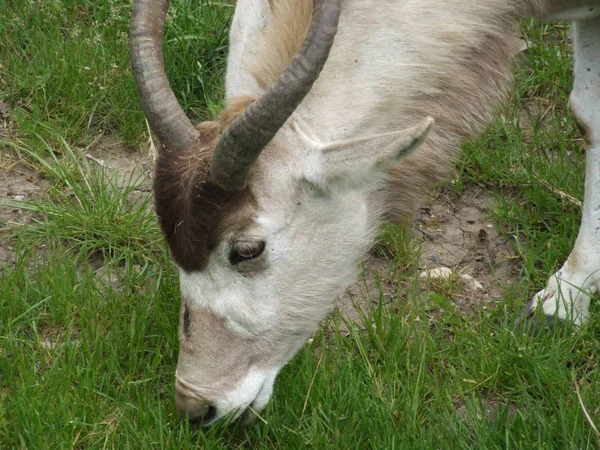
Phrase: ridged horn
x=166 y=118
x=249 y=134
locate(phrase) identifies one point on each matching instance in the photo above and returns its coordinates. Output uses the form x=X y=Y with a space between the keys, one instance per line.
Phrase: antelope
x=340 y=114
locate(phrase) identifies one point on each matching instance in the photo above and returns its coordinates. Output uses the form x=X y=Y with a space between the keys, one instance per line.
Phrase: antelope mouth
x=254 y=410
x=200 y=412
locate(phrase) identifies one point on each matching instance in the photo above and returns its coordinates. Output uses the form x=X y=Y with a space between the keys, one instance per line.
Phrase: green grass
x=87 y=355
x=66 y=63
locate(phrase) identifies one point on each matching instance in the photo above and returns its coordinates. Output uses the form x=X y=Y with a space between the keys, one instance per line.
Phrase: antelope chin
x=262 y=399
x=248 y=410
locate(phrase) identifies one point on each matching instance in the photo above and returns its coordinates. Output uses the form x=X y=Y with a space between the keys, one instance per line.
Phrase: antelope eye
x=245 y=251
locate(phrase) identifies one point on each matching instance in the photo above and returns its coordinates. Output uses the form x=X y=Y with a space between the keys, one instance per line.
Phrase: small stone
x=439 y=272
x=471 y=282
x=51 y=345
x=4 y=109
x=20 y=197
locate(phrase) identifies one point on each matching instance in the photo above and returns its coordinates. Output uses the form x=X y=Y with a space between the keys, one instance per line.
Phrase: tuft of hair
x=235 y=107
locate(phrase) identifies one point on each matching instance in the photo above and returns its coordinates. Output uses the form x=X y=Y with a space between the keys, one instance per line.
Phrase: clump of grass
x=87 y=208
x=397 y=244
x=65 y=63
x=447 y=286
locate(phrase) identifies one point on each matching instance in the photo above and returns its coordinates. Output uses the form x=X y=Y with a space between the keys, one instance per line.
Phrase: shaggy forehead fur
x=193 y=211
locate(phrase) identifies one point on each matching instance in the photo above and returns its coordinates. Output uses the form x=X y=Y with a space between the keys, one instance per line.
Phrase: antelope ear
x=354 y=163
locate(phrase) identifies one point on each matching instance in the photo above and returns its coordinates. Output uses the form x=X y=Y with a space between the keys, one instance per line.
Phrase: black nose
x=203 y=416
x=197 y=410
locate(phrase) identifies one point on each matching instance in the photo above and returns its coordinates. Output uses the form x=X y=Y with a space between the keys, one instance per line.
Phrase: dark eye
x=245 y=250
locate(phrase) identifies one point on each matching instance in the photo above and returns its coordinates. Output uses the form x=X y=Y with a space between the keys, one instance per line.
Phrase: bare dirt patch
x=458 y=233
x=488 y=408
x=455 y=232
x=132 y=167
x=17 y=183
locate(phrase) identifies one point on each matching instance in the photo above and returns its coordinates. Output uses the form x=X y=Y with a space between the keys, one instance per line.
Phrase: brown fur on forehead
x=194 y=213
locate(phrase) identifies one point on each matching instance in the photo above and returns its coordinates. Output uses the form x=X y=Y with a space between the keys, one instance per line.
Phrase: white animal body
x=264 y=254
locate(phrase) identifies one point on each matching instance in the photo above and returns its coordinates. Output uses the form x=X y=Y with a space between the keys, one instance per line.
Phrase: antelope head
x=265 y=224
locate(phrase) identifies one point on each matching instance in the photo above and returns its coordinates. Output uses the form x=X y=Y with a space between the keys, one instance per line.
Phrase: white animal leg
x=567 y=293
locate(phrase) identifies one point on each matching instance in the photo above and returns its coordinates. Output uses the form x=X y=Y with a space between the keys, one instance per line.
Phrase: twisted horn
x=166 y=118
x=249 y=134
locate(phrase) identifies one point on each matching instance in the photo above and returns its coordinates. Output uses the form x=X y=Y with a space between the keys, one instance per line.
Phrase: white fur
x=357 y=163
x=249 y=19
x=253 y=391
x=227 y=296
